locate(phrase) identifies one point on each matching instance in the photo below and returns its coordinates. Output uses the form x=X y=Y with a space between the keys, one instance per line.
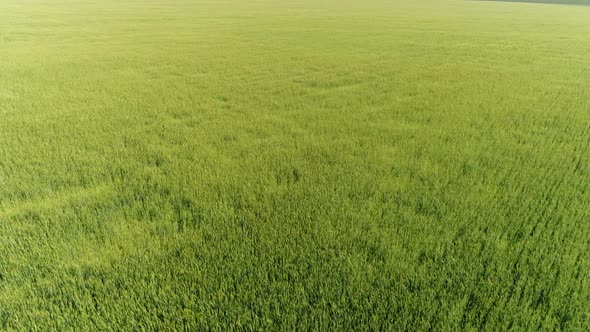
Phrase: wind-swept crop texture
x=294 y=165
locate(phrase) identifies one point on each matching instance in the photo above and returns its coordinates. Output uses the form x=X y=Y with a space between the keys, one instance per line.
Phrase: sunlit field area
x=294 y=165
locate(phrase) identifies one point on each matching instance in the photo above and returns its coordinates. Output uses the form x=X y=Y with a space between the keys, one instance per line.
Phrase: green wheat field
x=310 y=165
